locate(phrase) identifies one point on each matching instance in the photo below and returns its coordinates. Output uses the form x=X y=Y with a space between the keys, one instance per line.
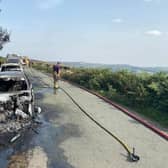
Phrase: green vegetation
x=42 y=66
x=2 y=60
x=4 y=36
x=144 y=93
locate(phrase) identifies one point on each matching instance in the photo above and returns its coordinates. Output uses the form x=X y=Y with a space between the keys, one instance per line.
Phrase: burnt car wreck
x=17 y=109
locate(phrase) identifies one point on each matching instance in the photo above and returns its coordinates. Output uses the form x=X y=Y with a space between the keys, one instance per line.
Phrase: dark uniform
x=56 y=74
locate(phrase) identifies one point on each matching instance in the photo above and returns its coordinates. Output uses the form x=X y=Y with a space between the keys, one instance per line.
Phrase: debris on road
x=15 y=138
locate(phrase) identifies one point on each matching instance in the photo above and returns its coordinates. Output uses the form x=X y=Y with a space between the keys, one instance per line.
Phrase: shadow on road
x=49 y=138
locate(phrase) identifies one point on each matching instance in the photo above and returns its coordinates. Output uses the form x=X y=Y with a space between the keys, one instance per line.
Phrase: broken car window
x=10 y=68
x=12 y=85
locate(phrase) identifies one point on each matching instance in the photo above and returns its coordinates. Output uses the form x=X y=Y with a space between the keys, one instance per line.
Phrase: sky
x=131 y=32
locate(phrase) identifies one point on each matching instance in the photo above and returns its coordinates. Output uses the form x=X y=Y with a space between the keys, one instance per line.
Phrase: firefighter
x=56 y=74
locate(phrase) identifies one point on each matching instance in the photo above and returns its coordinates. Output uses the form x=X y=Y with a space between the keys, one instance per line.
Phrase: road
x=69 y=139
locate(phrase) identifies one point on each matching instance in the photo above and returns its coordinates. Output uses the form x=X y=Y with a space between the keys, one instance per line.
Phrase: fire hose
x=131 y=154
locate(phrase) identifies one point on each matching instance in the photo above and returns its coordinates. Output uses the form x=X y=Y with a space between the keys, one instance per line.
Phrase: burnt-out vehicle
x=17 y=107
x=11 y=67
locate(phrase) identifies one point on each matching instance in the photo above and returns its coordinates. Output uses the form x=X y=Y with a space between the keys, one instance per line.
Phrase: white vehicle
x=12 y=59
x=17 y=108
x=15 y=86
x=11 y=67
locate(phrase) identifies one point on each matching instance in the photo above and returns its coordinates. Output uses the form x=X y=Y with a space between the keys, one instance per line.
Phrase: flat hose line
x=131 y=155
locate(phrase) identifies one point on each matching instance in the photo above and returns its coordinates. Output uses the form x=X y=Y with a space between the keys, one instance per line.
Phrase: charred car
x=17 y=107
x=11 y=67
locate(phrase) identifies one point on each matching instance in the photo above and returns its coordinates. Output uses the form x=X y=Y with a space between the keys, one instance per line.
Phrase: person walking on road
x=56 y=74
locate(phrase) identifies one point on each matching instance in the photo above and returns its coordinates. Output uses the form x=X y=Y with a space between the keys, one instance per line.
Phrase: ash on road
x=68 y=139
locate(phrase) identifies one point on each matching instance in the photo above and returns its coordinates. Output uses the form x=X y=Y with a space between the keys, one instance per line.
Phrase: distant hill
x=117 y=67
x=113 y=67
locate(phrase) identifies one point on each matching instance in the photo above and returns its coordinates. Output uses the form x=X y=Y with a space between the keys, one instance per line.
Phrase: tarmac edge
x=127 y=112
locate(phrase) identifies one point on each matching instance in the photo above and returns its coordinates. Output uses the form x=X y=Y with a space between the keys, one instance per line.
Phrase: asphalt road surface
x=68 y=139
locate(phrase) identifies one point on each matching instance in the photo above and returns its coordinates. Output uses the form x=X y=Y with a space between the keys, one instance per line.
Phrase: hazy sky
x=103 y=31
